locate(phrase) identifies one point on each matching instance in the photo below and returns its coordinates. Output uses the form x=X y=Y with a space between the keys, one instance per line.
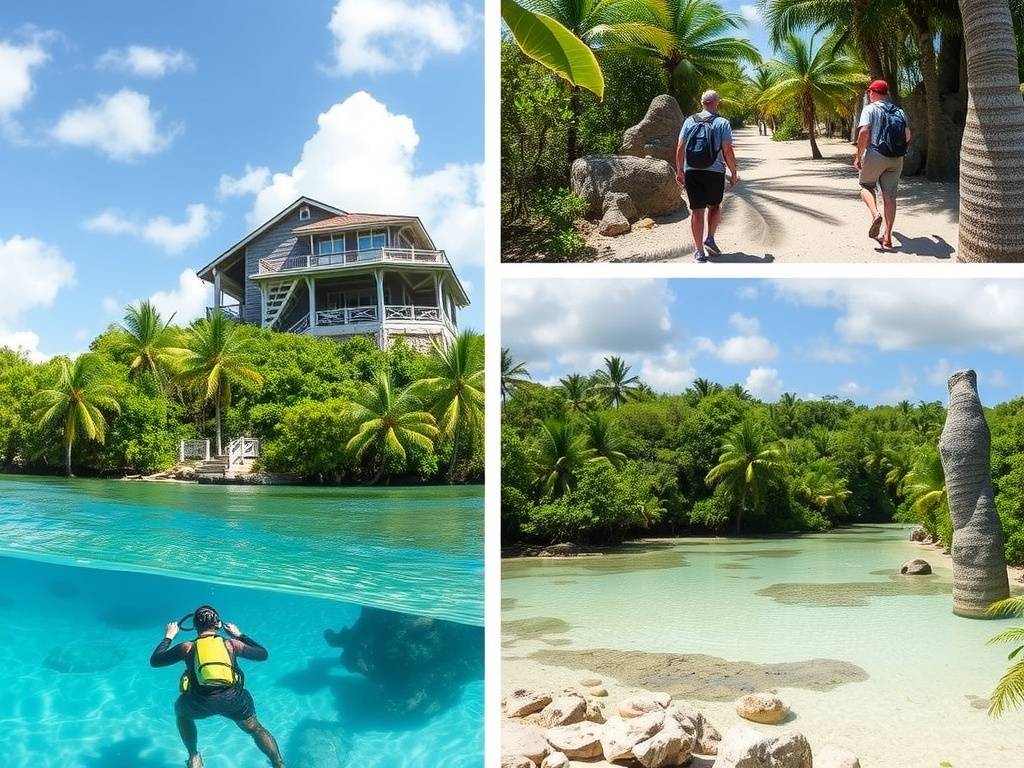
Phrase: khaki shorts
x=879 y=170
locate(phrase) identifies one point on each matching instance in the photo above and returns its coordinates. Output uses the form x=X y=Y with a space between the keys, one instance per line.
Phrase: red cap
x=879 y=86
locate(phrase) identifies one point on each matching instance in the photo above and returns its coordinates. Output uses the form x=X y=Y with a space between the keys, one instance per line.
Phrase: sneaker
x=699 y=257
x=712 y=247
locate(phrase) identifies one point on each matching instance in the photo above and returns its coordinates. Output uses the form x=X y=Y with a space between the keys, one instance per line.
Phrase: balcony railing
x=350 y=316
x=326 y=318
x=232 y=311
x=407 y=312
x=271 y=266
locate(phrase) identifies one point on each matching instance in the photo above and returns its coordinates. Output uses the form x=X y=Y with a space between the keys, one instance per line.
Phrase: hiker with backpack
x=702 y=154
x=882 y=140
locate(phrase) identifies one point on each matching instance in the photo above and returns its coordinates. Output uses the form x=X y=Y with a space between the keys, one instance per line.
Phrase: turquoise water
x=836 y=596
x=75 y=640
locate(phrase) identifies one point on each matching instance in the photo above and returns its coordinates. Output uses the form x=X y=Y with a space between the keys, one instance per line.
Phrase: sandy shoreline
x=790 y=208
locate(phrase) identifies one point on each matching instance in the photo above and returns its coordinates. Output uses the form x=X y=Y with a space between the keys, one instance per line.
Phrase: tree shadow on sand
x=127 y=753
x=928 y=245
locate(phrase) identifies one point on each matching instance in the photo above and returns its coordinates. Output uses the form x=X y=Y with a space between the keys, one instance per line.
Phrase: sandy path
x=790 y=208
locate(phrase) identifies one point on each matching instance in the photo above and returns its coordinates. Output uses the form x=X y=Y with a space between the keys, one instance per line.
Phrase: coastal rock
x=657 y=134
x=706 y=737
x=919 y=534
x=649 y=182
x=668 y=747
x=979 y=567
x=590 y=682
x=595 y=711
x=580 y=741
x=620 y=735
x=831 y=756
x=563 y=710
x=525 y=701
x=555 y=760
x=598 y=690
x=517 y=761
x=761 y=708
x=643 y=703
x=916 y=567
x=743 y=747
x=525 y=740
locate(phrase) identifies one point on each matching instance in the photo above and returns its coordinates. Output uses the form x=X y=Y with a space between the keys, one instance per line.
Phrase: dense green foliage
x=305 y=398
x=715 y=457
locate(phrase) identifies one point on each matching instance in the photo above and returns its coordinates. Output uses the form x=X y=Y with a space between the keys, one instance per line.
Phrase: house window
x=304 y=213
x=329 y=244
x=372 y=238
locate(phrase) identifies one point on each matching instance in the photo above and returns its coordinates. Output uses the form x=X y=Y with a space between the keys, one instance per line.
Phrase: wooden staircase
x=280 y=297
x=236 y=462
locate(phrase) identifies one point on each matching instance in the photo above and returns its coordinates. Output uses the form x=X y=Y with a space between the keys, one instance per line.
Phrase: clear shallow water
x=415 y=550
x=832 y=596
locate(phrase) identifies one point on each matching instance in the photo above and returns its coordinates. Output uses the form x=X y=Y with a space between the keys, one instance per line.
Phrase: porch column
x=311 y=287
x=263 y=303
x=380 y=296
x=218 y=293
x=440 y=297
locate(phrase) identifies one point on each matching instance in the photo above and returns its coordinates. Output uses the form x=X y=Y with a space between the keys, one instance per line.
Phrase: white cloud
x=393 y=35
x=749 y=326
x=743 y=350
x=249 y=183
x=186 y=302
x=751 y=13
x=852 y=389
x=143 y=61
x=825 y=352
x=172 y=237
x=362 y=158
x=122 y=126
x=764 y=383
x=34 y=273
x=669 y=372
x=748 y=292
x=939 y=374
x=17 y=62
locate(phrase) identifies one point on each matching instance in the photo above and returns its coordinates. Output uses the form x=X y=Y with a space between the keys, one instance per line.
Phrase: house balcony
x=359 y=319
x=231 y=311
x=308 y=262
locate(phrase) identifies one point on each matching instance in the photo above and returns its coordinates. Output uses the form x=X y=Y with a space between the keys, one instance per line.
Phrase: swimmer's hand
x=171 y=630
x=233 y=630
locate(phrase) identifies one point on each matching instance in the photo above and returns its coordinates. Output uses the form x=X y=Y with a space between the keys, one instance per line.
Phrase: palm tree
x=925 y=485
x=391 y=422
x=152 y=344
x=920 y=13
x=746 y=467
x=992 y=152
x=702 y=388
x=614 y=384
x=578 y=393
x=215 y=359
x=513 y=374
x=740 y=392
x=821 y=438
x=558 y=453
x=760 y=80
x=1009 y=691
x=603 y=441
x=605 y=26
x=453 y=388
x=899 y=462
x=824 y=490
x=76 y=402
x=701 y=53
x=818 y=79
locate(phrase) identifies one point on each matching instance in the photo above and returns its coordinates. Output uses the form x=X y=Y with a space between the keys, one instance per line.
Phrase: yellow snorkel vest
x=212 y=664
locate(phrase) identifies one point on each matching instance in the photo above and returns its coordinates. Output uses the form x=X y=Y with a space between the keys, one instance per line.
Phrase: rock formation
x=979 y=567
x=649 y=182
x=762 y=708
x=657 y=134
x=743 y=747
x=916 y=567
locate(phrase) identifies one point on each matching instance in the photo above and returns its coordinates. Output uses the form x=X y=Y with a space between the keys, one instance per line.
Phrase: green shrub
x=555 y=212
x=789 y=129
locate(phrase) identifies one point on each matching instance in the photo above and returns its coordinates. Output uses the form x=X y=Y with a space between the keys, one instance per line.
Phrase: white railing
x=275 y=265
x=350 y=316
x=194 y=449
x=409 y=312
x=233 y=311
x=301 y=325
x=241 y=449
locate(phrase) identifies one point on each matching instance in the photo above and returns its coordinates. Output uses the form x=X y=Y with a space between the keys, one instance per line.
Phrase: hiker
x=882 y=140
x=702 y=154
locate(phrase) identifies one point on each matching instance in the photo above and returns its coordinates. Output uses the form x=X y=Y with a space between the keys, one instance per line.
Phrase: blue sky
x=138 y=140
x=754 y=30
x=870 y=340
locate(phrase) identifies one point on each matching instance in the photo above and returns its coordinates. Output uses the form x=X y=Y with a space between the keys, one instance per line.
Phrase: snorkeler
x=213 y=684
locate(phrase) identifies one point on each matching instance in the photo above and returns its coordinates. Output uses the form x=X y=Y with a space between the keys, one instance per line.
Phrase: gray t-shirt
x=721 y=133
x=871 y=116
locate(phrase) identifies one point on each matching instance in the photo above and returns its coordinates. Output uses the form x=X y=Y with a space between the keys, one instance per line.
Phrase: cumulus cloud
x=393 y=35
x=122 y=126
x=363 y=158
x=17 y=63
x=751 y=13
x=34 y=273
x=144 y=61
x=250 y=182
x=670 y=371
x=764 y=383
x=173 y=237
x=852 y=389
x=186 y=302
x=746 y=325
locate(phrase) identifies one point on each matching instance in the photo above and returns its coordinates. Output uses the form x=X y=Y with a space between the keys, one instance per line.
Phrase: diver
x=212 y=683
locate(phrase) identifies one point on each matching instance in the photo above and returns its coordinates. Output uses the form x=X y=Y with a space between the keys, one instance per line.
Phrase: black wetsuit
x=234 y=703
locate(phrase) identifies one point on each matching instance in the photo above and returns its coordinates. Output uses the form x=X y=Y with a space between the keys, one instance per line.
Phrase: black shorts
x=704 y=189
x=234 y=703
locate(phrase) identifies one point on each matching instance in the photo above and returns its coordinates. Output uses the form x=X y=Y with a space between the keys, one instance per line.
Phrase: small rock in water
x=761 y=708
x=916 y=567
x=831 y=756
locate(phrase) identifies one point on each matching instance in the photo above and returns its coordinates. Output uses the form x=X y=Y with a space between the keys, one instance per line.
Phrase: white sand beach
x=790 y=208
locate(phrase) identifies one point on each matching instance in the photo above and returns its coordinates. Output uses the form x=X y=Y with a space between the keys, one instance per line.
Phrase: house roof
x=348 y=220
x=206 y=272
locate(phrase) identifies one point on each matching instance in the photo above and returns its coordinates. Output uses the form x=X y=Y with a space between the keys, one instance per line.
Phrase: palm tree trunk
x=67 y=457
x=937 y=161
x=992 y=152
x=809 y=118
x=216 y=407
x=572 y=141
x=455 y=454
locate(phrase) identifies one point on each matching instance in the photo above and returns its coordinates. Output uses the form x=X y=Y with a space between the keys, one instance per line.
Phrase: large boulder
x=565 y=709
x=668 y=747
x=621 y=734
x=831 y=756
x=525 y=701
x=761 y=708
x=649 y=182
x=916 y=567
x=643 y=703
x=580 y=741
x=520 y=739
x=743 y=747
x=706 y=737
x=657 y=134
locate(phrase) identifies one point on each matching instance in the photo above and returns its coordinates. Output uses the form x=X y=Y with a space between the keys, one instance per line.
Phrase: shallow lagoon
x=866 y=658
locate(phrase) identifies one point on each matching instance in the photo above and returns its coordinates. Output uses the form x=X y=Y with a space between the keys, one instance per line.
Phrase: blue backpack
x=701 y=151
x=892 y=131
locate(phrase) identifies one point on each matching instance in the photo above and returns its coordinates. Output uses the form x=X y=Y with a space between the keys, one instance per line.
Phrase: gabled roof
x=349 y=220
x=202 y=273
